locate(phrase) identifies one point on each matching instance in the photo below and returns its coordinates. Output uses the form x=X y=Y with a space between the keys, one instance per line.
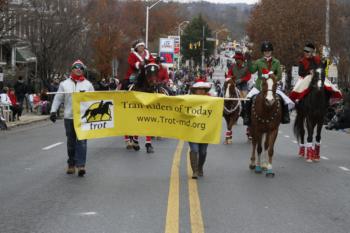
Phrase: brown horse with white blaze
x=266 y=114
x=232 y=108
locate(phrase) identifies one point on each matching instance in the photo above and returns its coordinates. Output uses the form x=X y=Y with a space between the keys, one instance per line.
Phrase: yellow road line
x=172 y=217
x=197 y=225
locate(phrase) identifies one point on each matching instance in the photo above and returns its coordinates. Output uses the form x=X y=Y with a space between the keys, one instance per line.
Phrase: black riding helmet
x=266 y=46
x=309 y=47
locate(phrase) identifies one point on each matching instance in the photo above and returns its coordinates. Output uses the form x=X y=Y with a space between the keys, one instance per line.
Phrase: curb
x=9 y=126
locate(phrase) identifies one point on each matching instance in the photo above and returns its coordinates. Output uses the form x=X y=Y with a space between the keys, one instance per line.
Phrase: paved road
x=136 y=192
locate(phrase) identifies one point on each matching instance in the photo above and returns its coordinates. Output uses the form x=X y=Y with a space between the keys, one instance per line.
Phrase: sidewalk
x=27 y=118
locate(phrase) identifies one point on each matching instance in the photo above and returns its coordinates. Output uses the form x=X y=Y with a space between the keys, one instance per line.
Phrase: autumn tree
x=192 y=40
x=115 y=25
x=288 y=25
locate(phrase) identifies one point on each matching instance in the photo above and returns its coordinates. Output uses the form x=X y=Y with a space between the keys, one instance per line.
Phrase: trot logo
x=96 y=115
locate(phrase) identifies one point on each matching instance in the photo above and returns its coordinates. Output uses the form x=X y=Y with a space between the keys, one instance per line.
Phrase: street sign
x=168 y=56
x=166 y=45
x=166 y=50
x=210 y=39
x=176 y=44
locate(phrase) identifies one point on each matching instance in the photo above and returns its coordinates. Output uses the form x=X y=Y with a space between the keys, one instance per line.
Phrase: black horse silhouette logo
x=98 y=112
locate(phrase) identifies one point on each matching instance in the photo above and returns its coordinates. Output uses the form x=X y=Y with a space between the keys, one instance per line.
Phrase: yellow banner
x=193 y=118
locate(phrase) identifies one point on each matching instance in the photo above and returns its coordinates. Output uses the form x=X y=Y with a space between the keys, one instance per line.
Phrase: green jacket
x=260 y=64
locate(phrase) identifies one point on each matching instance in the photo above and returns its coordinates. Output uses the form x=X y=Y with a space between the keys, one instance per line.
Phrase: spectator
x=15 y=105
x=44 y=102
x=104 y=86
x=20 y=91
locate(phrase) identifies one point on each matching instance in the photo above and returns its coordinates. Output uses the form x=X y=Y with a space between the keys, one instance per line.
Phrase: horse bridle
x=238 y=105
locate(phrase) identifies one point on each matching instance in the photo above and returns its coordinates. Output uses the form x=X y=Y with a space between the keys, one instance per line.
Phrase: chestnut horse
x=232 y=108
x=266 y=114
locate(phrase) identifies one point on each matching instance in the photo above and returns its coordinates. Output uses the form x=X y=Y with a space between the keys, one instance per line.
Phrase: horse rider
x=240 y=73
x=163 y=76
x=76 y=148
x=307 y=65
x=272 y=64
x=138 y=57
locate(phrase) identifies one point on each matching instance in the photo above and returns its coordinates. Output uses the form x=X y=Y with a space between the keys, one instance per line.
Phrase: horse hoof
x=258 y=170
x=270 y=174
x=251 y=167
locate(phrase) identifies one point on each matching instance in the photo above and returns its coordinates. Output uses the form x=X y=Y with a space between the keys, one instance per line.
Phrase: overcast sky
x=223 y=1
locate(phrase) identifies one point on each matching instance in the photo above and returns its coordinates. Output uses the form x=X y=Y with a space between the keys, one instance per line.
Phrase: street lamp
x=216 y=37
x=179 y=33
x=147 y=19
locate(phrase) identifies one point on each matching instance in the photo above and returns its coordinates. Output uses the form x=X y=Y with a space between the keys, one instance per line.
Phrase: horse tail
x=298 y=125
x=86 y=113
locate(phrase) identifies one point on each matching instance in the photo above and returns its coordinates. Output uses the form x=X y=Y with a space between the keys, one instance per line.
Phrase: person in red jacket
x=15 y=105
x=138 y=57
x=240 y=73
x=163 y=76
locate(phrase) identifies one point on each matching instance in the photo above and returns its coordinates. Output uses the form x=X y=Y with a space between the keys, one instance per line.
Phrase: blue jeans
x=200 y=148
x=76 y=148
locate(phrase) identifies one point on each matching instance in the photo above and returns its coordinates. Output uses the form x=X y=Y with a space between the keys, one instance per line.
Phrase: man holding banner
x=76 y=148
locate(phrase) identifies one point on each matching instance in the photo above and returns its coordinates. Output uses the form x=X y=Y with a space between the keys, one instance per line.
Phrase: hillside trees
x=289 y=24
x=192 y=40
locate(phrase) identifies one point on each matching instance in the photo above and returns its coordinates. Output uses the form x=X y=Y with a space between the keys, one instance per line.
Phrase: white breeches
x=286 y=100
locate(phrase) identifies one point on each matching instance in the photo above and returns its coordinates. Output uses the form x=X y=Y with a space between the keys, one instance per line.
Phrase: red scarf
x=77 y=78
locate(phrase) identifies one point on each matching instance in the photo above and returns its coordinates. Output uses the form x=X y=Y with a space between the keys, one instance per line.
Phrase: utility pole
x=327 y=22
x=203 y=49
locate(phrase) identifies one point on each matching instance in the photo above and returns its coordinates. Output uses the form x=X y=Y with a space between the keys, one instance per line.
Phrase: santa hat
x=201 y=85
x=265 y=73
x=78 y=62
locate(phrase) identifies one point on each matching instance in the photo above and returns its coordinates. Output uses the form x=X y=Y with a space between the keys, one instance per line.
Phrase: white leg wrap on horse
x=269 y=166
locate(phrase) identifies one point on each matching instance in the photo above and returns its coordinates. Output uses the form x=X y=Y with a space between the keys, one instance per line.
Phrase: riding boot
x=201 y=161
x=135 y=143
x=285 y=113
x=194 y=164
x=247 y=109
x=149 y=148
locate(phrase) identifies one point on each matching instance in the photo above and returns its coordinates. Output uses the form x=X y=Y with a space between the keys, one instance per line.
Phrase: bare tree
x=55 y=29
x=6 y=18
